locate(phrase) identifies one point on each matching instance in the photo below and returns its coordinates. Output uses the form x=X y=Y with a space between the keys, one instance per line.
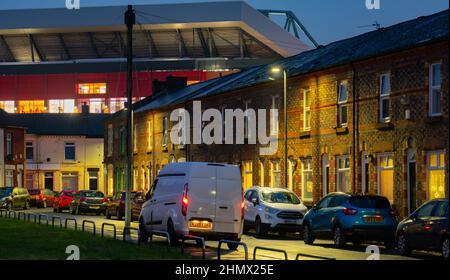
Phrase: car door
x=148 y=206
x=248 y=206
x=331 y=211
x=16 y=199
x=136 y=205
x=318 y=221
x=417 y=231
x=437 y=224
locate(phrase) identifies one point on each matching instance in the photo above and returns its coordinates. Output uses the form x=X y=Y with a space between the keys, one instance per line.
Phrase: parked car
x=63 y=200
x=273 y=209
x=88 y=202
x=425 y=229
x=202 y=199
x=354 y=218
x=116 y=205
x=41 y=198
x=13 y=198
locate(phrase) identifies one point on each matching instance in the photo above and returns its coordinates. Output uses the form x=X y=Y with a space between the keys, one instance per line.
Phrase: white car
x=195 y=198
x=273 y=209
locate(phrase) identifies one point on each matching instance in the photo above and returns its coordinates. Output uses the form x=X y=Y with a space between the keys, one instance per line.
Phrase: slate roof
x=89 y=125
x=405 y=35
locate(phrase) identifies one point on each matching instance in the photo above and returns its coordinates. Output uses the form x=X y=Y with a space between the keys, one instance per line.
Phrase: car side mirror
x=255 y=201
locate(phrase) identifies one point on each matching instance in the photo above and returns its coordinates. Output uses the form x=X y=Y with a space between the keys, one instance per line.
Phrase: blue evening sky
x=327 y=20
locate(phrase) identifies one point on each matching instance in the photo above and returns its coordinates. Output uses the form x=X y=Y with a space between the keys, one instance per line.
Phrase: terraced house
x=365 y=114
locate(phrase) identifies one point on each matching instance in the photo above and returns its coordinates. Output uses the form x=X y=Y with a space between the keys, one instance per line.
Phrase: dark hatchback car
x=88 y=202
x=116 y=206
x=12 y=198
x=355 y=218
x=425 y=229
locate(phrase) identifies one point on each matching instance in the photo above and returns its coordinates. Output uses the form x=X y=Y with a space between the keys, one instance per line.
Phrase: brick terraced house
x=368 y=114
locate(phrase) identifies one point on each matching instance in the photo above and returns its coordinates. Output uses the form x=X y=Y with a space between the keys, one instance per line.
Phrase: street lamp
x=276 y=71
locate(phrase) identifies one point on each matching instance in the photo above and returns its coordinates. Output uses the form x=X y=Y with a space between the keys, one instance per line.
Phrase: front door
x=412 y=186
x=48 y=180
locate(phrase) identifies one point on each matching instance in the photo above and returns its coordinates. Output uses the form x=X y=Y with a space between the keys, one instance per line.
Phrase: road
x=291 y=244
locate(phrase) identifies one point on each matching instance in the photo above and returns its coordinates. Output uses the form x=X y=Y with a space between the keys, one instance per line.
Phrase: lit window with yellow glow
x=91 y=88
x=31 y=106
x=436 y=174
x=386 y=176
x=247 y=174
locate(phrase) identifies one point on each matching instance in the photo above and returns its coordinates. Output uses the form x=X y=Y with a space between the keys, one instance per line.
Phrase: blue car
x=355 y=218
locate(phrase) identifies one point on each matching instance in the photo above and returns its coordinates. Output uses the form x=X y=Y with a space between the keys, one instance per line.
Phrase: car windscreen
x=5 y=191
x=93 y=194
x=376 y=202
x=280 y=197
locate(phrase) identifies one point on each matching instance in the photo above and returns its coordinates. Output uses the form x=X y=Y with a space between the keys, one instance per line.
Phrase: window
x=9 y=144
x=307 y=183
x=435 y=90
x=61 y=106
x=343 y=174
x=261 y=174
x=135 y=137
x=165 y=131
x=29 y=150
x=91 y=88
x=426 y=210
x=9 y=178
x=385 y=90
x=342 y=103
x=386 y=176
x=149 y=136
x=306 y=110
x=93 y=181
x=116 y=104
x=96 y=105
x=274 y=117
x=276 y=174
x=8 y=106
x=122 y=140
x=110 y=140
x=69 y=151
x=247 y=173
x=70 y=181
x=436 y=174
x=31 y=106
x=441 y=209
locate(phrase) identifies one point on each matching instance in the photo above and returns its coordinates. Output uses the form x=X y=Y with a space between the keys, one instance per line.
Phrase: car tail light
x=185 y=200
x=242 y=209
x=350 y=211
x=105 y=199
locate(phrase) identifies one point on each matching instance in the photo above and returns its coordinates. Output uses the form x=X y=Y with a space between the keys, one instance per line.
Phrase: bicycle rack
x=70 y=219
x=42 y=215
x=196 y=238
x=19 y=214
x=232 y=242
x=9 y=214
x=56 y=218
x=312 y=256
x=88 y=222
x=269 y=249
x=159 y=233
x=29 y=217
x=129 y=229
x=1 y=212
x=111 y=225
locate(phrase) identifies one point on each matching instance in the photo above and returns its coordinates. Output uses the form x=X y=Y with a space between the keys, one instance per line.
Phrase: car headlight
x=271 y=210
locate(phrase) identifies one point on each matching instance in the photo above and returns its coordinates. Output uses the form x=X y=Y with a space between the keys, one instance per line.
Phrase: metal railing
x=1 y=212
x=159 y=233
x=243 y=244
x=13 y=212
x=30 y=215
x=71 y=219
x=83 y=224
x=110 y=225
x=269 y=249
x=19 y=214
x=56 y=218
x=42 y=215
x=312 y=256
x=196 y=238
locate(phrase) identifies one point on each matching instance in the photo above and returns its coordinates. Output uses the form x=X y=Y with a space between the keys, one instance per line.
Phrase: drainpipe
x=354 y=125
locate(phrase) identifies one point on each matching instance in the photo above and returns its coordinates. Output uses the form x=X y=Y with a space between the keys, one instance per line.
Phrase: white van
x=195 y=198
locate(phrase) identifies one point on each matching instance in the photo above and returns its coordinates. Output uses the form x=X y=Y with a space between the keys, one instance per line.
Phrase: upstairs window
x=29 y=150
x=435 y=90
x=91 y=88
x=385 y=91
x=274 y=117
x=342 y=103
x=69 y=151
x=306 y=110
x=149 y=136
x=9 y=145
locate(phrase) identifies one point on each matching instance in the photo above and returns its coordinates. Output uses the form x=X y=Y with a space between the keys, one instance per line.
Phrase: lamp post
x=276 y=71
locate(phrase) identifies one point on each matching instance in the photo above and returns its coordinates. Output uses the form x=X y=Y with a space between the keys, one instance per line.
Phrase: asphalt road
x=292 y=244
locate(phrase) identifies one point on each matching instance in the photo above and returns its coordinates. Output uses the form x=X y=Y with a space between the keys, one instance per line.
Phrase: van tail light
x=242 y=209
x=350 y=211
x=185 y=200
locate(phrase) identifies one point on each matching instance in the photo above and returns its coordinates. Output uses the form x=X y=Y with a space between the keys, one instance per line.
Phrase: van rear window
x=377 y=202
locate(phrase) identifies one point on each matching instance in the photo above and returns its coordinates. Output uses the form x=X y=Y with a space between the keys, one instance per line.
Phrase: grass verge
x=20 y=240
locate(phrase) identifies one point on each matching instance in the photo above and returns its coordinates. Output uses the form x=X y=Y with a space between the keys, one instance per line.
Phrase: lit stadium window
x=91 y=88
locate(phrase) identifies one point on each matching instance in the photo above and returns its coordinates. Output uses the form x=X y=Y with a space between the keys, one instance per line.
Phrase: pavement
x=291 y=244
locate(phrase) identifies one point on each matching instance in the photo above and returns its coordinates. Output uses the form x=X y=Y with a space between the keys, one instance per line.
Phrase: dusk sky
x=327 y=20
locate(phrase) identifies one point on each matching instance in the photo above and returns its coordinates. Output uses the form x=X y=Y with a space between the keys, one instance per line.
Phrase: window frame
x=274 y=130
x=308 y=163
x=70 y=145
x=345 y=169
x=306 y=109
x=432 y=88
x=380 y=169
x=165 y=131
x=430 y=168
x=26 y=150
x=9 y=144
x=342 y=104
x=385 y=96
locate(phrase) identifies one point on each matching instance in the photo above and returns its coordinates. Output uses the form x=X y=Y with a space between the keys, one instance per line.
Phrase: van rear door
x=202 y=191
x=228 y=199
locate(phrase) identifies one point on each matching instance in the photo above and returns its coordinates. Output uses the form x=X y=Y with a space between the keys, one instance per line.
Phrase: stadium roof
x=212 y=34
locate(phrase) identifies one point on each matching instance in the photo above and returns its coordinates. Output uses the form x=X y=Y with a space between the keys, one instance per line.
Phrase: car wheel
x=338 y=237
x=59 y=210
x=402 y=245
x=308 y=237
x=119 y=217
x=172 y=236
x=143 y=234
x=233 y=246
x=445 y=248
x=72 y=210
x=260 y=231
x=9 y=206
x=107 y=214
x=27 y=205
x=55 y=210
